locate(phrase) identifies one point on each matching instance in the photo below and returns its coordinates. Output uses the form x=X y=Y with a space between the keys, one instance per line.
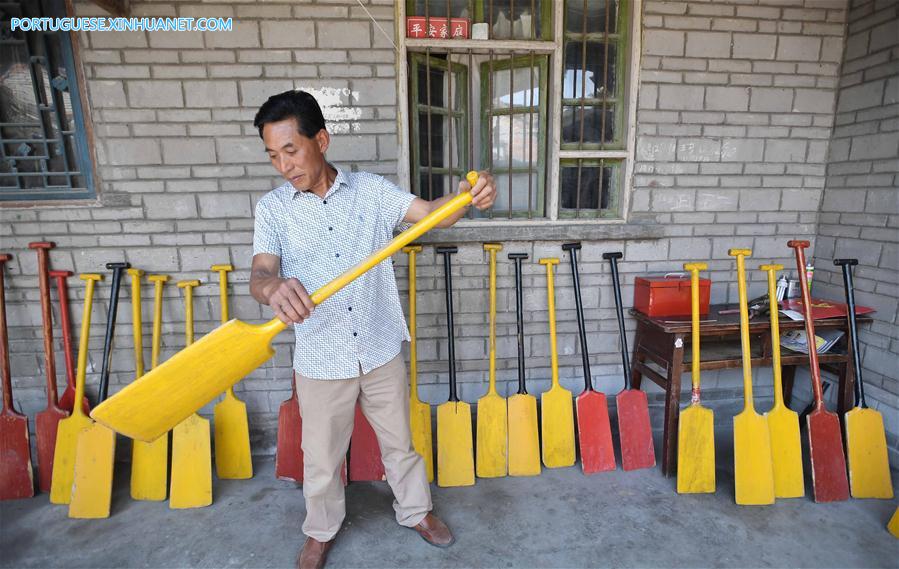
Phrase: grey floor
x=559 y=519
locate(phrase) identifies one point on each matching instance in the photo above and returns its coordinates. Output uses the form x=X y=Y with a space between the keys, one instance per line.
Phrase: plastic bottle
x=782 y=285
x=809 y=273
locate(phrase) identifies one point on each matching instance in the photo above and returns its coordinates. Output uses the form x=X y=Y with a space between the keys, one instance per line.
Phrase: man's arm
x=287 y=297
x=483 y=194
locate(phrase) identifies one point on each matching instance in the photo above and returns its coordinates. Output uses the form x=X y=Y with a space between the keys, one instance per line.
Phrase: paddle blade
x=455 y=457
x=365 y=454
x=161 y=399
x=829 y=480
x=634 y=430
x=232 y=439
x=64 y=458
x=753 y=471
x=46 y=424
x=191 y=485
x=524 y=438
x=16 y=478
x=67 y=401
x=696 y=451
x=150 y=469
x=94 y=461
x=893 y=525
x=492 y=436
x=557 y=421
x=786 y=452
x=866 y=447
x=420 y=425
x=289 y=454
x=595 y=432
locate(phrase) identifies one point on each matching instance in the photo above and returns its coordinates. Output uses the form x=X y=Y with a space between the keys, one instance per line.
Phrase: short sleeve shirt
x=362 y=325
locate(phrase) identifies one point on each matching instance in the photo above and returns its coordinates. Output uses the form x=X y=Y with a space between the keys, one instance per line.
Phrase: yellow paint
x=696 y=434
x=150 y=461
x=419 y=411
x=524 y=441
x=231 y=427
x=753 y=470
x=191 y=485
x=492 y=411
x=783 y=422
x=161 y=399
x=92 y=486
x=68 y=428
x=455 y=456
x=893 y=525
x=557 y=406
x=866 y=445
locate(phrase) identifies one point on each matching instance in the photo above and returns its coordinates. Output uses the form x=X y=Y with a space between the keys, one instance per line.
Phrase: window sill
x=500 y=231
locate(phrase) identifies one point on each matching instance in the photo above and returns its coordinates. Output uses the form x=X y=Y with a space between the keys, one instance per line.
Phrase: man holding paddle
x=321 y=222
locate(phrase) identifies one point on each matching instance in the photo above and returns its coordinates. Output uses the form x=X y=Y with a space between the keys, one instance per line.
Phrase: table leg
x=846 y=395
x=672 y=407
x=636 y=376
x=788 y=374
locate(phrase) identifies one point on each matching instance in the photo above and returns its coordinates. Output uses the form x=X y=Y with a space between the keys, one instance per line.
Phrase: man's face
x=299 y=159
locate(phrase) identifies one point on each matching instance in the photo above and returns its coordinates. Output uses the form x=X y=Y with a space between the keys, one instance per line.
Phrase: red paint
x=438 y=28
x=637 y=450
x=46 y=423
x=67 y=399
x=365 y=454
x=289 y=454
x=669 y=296
x=594 y=432
x=828 y=462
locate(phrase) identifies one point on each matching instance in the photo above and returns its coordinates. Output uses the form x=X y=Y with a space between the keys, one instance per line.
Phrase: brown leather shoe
x=314 y=554
x=434 y=531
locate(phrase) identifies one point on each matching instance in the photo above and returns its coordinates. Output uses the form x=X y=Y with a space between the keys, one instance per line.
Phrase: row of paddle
x=768 y=449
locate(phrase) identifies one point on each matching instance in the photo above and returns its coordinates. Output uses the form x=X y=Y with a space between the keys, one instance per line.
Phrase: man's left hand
x=483 y=194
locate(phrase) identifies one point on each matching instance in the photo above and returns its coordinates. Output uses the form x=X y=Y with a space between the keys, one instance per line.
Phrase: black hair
x=298 y=105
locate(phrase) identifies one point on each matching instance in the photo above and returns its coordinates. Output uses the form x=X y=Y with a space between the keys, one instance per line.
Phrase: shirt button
x=355 y=334
x=337 y=254
x=350 y=308
x=325 y=202
x=330 y=229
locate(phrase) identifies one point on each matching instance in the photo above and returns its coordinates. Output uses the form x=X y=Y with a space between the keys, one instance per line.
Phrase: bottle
x=782 y=285
x=809 y=273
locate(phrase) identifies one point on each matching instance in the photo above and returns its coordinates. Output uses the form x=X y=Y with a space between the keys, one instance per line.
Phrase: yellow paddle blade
x=869 y=467
x=696 y=451
x=94 y=460
x=422 y=438
x=64 y=456
x=150 y=469
x=455 y=458
x=786 y=452
x=893 y=526
x=232 y=439
x=524 y=440
x=492 y=436
x=753 y=472
x=191 y=485
x=214 y=363
x=557 y=414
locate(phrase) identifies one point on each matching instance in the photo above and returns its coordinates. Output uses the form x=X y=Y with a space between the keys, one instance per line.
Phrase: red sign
x=437 y=28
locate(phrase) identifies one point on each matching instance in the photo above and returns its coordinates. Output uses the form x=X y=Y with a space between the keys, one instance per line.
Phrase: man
x=308 y=231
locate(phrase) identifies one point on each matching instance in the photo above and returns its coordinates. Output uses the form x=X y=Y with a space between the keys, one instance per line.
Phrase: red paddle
x=67 y=400
x=289 y=454
x=365 y=454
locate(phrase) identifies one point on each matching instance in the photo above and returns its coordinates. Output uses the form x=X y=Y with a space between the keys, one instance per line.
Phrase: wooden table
x=664 y=341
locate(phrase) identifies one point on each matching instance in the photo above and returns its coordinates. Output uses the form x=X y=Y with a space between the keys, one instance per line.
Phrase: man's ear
x=323 y=139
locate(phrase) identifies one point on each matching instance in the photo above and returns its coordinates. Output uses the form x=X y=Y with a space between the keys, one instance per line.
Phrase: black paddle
x=517 y=258
x=111 y=312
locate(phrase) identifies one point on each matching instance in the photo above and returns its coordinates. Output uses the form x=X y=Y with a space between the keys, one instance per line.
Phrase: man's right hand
x=290 y=301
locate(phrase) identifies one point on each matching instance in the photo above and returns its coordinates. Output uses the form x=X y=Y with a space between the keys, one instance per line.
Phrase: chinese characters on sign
x=437 y=28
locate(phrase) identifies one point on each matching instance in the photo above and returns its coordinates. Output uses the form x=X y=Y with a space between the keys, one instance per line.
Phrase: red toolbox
x=669 y=295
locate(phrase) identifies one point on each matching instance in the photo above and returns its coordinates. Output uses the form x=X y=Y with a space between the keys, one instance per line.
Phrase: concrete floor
x=559 y=519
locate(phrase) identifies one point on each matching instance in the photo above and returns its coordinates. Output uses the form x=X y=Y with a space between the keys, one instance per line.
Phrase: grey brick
x=221 y=205
x=742 y=150
x=155 y=94
x=708 y=44
x=168 y=206
x=755 y=46
x=646 y=250
x=375 y=91
x=107 y=94
x=663 y=42
x=727 y=98
x=188 y=151
x=813 y=101
x=248 y=149
x=771 y=100
x=254 y=93
x=875 y=146
x=210 y=93
x=653 y=149
x=680 y=97
x=201 y=258
x=667 y=200
x=287 y=34
x=346 y=34
x=699 y=150
x=244 y=34
x=785 y=150
x=134 y=151
x=861 y=96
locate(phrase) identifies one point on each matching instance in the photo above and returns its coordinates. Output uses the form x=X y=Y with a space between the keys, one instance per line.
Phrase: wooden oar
x=524 y=438
x=365 y=453
x=67 y=437
x=191 y=485
x=753 y=471
x=455 y=458
x=556 y=405
x=419 y=411
x=231 y=427
x=95 y=449
x=47 y=421
x=493 y=427
x=162 y=398
x=149 y=461
x=829 y=480
x=16 y=477
x=783 y=422
x=593 y=427
x=696 y=431
x=866 y=444
x=67 y=399
x=634 y=429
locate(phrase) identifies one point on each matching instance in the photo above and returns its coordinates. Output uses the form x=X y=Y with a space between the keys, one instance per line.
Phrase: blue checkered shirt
x=317 y=239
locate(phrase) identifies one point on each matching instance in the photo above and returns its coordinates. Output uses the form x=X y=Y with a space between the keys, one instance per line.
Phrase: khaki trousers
x=327 y=408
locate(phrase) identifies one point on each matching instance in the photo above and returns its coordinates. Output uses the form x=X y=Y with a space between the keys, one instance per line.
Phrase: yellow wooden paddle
x=753 y=472
x=696 y=435
x=524 y=437
x=783 y=422
x=191 y=485
x=68 y=429
x=230 y=424
x=149 y=461
x=419 y=411
x=893 y=525
x=556 y=405
x=162 y=398
x=492 y=412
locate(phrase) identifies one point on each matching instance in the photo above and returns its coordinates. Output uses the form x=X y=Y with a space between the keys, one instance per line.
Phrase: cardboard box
x=669 y=295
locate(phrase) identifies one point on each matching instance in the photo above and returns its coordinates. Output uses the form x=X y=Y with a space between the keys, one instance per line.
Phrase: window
x=544 y=104
x=44 y=152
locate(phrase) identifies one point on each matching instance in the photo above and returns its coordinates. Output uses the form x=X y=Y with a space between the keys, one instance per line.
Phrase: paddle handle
x=799 y=247
x=492 y=249
x=549 y=262
x=111 y=312
x=90 y=280
x=223 y=271
x=412 y=250
x=572 y=249
x=741 y=255
x=136 y=322
x=622 y=340
x=42 y=248
x=775 y=332
x=846 y=265
x=188 y=287
x=158 y=282
x=517 y=258
x=62 y=290
x=694 y=269
x=4 y=339
x=448 y=280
